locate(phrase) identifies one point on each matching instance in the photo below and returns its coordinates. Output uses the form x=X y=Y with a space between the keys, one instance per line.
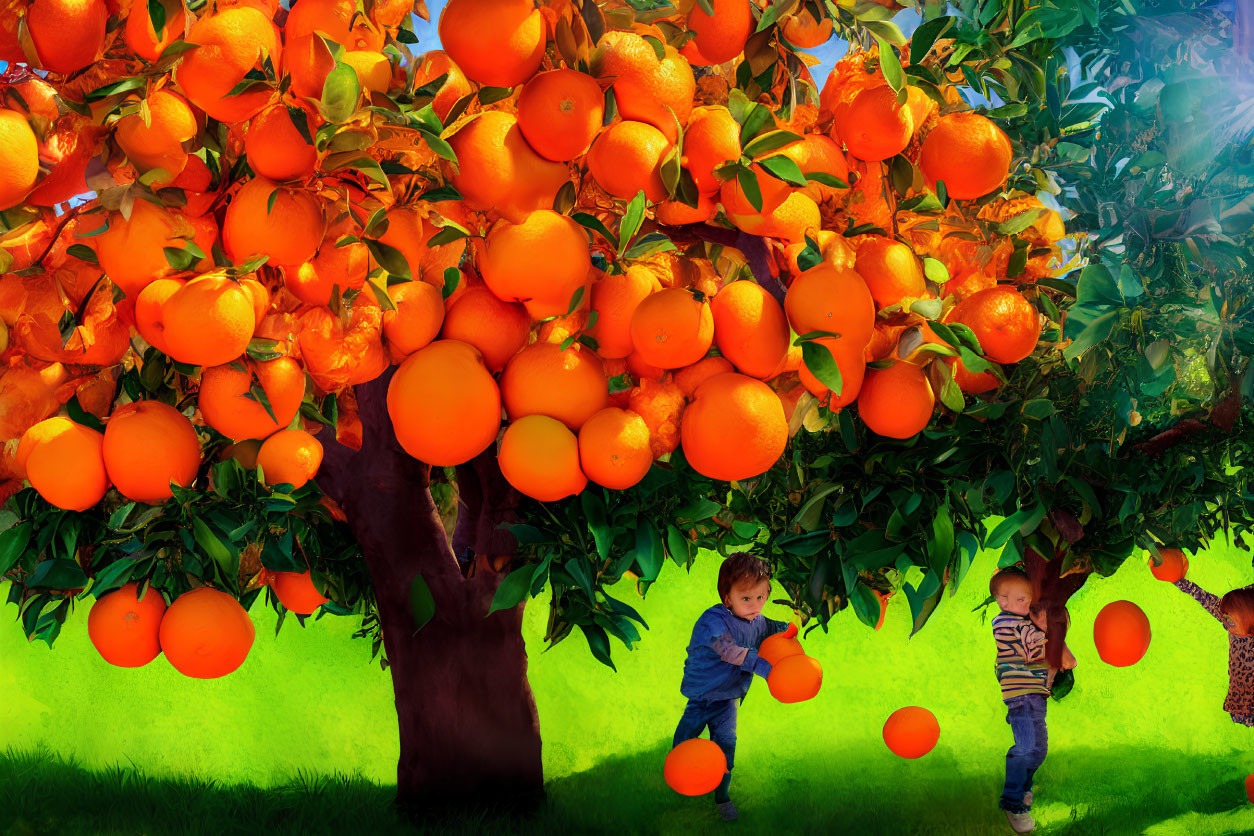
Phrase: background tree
x=646 y=232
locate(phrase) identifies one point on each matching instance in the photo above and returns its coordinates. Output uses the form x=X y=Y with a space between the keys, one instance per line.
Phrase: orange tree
x=293 y=312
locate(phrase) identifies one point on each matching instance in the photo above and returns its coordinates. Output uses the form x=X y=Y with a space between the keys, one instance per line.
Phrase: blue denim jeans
x=720 y=717
x=1026 y=716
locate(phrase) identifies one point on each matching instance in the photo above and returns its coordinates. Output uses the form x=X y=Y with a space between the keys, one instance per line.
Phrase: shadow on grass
x=1086 y=792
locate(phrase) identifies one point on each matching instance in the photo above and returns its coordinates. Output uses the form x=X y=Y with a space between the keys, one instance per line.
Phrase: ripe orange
x=677 y=213
x=498 y=43
x=802 y=30
x=711 y=139
x=289 y=234
x=560 y=113
x=224 y=406
x=143 y=40
x=407 y=233
x=773 y=190
x=444 y=405
x=627 y=158
x=436 y=63
x=972 y=383
x=890 y=269
x=969 y=153
x=158 y=144
x=690 y=377
x=498 y=170
x=646 y=89
x=1173 y=567
x=827 y=298
x=296 y=591
x=544 y=380
x=541 y=261
x=817 y=154
x=695 y=767
x=67 y=34
x=719 y=37
x=672 y=328
x=206 y=634
x=290 y=457
x=642 y=370
x=148 y=445
x=1122 y=634
x=231 y=43
x=275 y=148
x=209 y=321
x=896 y=402
x=776 y=647
x=661 y=405
x=795 y=678
x=416 y=321
x=373 y=69
x=1005 y=323
x=336 y=356
x=749 y=328
x=124 y=629
x=734 y=428
x=614 y=448
x=873 y=126
x=19 y=158
x=498 y=329
x=149 y=307
x=615 y=298
x=306 y=59
x=911 y=732
x=852 y=364
x=792 y=220
x=64 y=462
x=540 y=458
x=244 y=452
x=132 y=251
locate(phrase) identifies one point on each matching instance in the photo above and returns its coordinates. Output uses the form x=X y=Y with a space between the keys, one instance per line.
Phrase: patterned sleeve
x=1033 y=642
x=741 y=657
x=1208 y=601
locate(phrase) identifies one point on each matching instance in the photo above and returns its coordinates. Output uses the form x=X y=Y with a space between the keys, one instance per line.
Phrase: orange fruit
x=498 y=329
x=275 y=148
x=244 y=452
x=560 y=113
x=1173 y=567
x=436 y=63
x=890 y=269
x=209 y=321
x=224 y=406
x=498 y=170
x=719 y=37
x=444 y=405
x=148 y=445
x=407 y=234
x=642 y=370
x=827 y=298
x=911 y=732
x=646 y=89
x=541 y=261
x=776 y=647
x=615 y=298
x=296 y=591
x=972 y=383
x=132 y=251
x=289 y=234
x=124 y=629
x=677 y=213
x=873 y=126
x=795 y=678
x=140 y=36
x=1249 y=788
x=626 y=158
x=68 y=34
x=314 y=282
x=417 y=319
x=773 y=191
x=231 y=42
x=661 y=405
x=158 y=144
x=337 y=356
x=373 y=69
x=852 y=364
x=544 y=380
x=306 y=58
x=734 y=428
x=498 y=43
x=289 y=457
x=792 y=220
x=1006 y=324
x=711 y=139
x=539 y=456
x=672 y=328
x=802 y=30
x=19 y=158
x=817 y=154
x=1122 y=634
x=206 y=634
x=695 y=767
x=149 y=307
x=690 y=377
x=64 y=462
x=260 y=296
x=969 y=153
x=614 y=448
x=896 y=402
x=749 y=328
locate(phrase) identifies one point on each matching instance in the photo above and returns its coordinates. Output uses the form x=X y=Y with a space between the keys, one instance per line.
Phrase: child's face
x=1014 y=596
x=747 y=599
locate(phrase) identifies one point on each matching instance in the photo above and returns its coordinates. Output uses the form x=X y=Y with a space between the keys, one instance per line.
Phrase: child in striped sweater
x=1235 y=611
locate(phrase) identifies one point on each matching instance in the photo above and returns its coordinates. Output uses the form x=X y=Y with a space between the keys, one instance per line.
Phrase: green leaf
x=649 y=552
x=389 y=258
x=492 y=95
x=113 y=88
x=940 y=546
x=783 y=168
x=935 y=270
x=452 y=277
x=825 y=179
x=924 y=600
x=215 y=549
x=593 y=223
x=598 y=641
x=678 y=545
x=156 y=14
x=300 y=120
x=575 y=299
x=262 y=348
x=116 y=574
x=810 y=256
x=598 y=525
x=81 y=416
x=82 y=252
x=13 y=543
x=578 y=568
x=659 y=49
x=513 y=589
x=866 y=604
x=421 y=602
x=890 y=65
x=886 y=31
x=340 y=94
x=819 y=360
x=699 y=509
x=749 y=185
x=1023 y=521
x=57 y=574
x=926 y=35
x=633 y=217
x=770 y=141
x=1097 y=331
x=758 y=119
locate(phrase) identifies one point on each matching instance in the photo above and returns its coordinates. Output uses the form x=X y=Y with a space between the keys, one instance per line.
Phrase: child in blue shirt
x=723 y=657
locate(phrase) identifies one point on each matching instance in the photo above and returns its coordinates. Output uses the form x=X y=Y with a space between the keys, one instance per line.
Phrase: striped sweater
x=1021 y=665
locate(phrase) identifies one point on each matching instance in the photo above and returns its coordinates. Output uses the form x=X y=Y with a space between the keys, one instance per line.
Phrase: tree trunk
x=469 y=732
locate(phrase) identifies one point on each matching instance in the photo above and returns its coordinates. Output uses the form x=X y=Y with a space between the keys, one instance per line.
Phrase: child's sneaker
x=727 y=810
x=1027 y=798
x=1021 y=822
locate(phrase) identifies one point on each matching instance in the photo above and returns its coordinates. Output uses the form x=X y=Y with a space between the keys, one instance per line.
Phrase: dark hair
x=1239 y=606
x=740 y=567
x=1004 y=575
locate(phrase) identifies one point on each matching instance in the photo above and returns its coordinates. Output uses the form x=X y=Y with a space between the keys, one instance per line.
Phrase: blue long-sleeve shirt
x=723 y=654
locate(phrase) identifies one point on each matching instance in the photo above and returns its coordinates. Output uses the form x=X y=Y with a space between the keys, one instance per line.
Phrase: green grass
x=303 y=737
